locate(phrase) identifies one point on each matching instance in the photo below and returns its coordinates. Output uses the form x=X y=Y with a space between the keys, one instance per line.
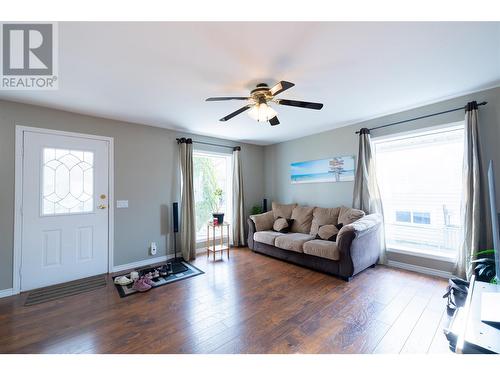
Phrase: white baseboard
x=7 y=293
x=420 y=269
x=141 y=263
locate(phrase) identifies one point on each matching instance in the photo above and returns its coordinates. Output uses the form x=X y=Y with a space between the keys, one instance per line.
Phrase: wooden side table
x=212 y=245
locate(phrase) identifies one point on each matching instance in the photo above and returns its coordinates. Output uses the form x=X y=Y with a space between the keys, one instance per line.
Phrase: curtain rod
x=212 y=144
x=421 y=117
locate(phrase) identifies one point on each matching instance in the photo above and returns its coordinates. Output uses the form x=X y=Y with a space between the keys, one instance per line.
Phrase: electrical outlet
x=153 y=248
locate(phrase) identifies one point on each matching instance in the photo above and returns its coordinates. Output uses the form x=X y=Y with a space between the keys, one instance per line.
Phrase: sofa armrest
x=359 y=244
x=251 y=231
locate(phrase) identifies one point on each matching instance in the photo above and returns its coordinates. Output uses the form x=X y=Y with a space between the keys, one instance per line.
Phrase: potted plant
x=217 y=203
x=485 y=266
x=256 y=210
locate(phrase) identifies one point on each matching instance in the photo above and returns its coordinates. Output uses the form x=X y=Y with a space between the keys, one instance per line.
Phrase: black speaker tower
x=176 y=263
x=175 y=214
x=264 y=205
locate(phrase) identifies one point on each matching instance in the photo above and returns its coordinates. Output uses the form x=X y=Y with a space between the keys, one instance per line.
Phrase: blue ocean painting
x=336 y=169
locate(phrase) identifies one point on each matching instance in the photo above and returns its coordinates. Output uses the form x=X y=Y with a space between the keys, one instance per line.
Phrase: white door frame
x=18 y=200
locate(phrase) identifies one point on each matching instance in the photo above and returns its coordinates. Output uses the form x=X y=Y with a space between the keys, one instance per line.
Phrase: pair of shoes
x=164 y=270
x=122 y=280
x=143 y=284
x=152 y=274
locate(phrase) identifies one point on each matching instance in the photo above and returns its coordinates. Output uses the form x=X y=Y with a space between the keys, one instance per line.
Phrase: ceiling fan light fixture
x=258 y=107
x=262 y=112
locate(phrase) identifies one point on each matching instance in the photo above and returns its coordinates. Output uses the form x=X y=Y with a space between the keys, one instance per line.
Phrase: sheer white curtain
x=476 y=216
x=366 y=195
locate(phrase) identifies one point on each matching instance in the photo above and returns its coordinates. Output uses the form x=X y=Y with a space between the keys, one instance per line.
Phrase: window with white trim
x=211 y=173
x=420 y=181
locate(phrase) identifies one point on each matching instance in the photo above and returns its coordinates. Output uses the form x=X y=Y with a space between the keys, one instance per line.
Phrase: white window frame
x=430 y=254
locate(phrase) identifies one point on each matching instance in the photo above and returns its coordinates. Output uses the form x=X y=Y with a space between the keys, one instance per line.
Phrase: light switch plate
x=121 y=204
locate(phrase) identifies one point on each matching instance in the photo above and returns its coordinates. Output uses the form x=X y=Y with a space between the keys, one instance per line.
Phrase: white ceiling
x=160 y=73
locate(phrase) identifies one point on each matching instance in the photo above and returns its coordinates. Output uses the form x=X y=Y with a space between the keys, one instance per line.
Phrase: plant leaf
x=483 y=260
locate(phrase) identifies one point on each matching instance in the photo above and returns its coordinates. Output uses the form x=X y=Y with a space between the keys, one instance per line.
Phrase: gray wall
x=146 y=174
x=343 y=141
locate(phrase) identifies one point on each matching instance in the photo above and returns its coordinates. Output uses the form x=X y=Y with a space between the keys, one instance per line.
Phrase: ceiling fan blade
x=235 y=113
x=280 y=87
x=226 y=98
x=274 y=121
x=298 y=103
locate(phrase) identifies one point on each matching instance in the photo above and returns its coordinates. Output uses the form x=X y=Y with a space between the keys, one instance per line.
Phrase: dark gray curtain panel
x=187 y=228
x=366 y=195
x=238 y=202
x=476 y=216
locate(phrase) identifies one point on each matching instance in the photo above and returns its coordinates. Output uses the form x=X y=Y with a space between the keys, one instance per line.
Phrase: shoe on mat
x=122 y=280
x=148 y=280
x=164 y=271
x=141 y=285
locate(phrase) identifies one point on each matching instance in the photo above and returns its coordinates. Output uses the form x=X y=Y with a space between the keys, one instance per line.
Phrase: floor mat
x=126 y=290
x=71 y=288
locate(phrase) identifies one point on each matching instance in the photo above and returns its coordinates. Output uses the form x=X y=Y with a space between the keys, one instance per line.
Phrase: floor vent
x=54 y=292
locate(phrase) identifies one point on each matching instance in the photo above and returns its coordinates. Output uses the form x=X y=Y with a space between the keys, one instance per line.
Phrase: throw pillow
x=263 y=221
x=349 y=215
x=282 y=225
x=302 y=217
x=283 y=210
x=328 y=232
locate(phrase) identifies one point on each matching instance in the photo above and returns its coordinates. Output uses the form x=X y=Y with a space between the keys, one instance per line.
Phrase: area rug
x=64 y=290
x=126 y=290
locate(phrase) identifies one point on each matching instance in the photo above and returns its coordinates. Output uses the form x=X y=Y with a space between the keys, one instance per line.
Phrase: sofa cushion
x=292 y=241
x=323 y=249
x=328 y=232
x=323 y=216
x=263 y=221
x=283 y=210
x=266 y=236
x=349 y=215
x=302 y=219
x=282 y=225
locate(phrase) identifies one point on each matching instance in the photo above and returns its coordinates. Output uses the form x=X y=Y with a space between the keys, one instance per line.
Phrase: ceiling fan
x=260 y=97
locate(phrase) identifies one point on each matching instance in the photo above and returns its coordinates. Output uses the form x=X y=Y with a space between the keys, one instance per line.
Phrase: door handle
x=101 y=207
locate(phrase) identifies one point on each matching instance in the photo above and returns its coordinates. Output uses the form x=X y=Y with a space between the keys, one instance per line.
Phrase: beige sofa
x=356 y=247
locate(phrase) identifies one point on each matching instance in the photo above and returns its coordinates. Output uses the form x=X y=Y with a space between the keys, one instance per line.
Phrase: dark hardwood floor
x=248 y=304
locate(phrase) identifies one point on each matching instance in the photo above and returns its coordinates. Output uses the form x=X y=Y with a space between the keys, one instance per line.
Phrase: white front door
x=64 y=209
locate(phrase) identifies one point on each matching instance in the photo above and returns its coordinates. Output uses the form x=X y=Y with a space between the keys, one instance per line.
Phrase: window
x=413 y=217
x=422 y=217
x=420 y=180
x=403 y=216
x=68 y=181
x=211 y=174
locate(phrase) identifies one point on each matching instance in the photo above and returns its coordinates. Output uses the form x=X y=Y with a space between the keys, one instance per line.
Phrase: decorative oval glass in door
x=67 y=181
